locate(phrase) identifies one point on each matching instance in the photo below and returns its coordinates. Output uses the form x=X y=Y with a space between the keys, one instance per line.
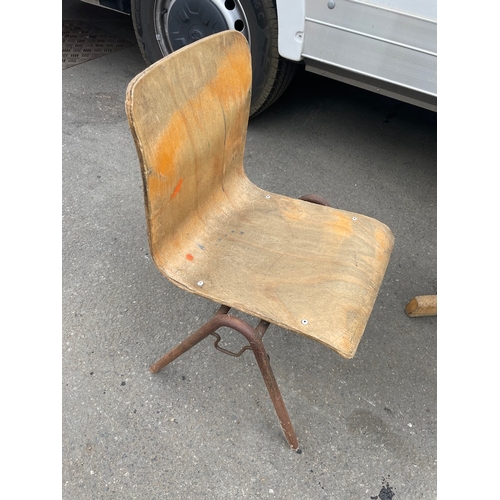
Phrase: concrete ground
x=205 y=426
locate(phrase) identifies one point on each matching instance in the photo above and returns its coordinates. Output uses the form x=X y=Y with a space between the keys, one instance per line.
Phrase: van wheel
x=163 y=26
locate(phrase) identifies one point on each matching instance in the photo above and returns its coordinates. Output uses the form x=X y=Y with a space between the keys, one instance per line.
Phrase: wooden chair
x=297 y=264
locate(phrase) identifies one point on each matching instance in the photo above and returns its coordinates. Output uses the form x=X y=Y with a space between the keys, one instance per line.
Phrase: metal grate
x=82 y=42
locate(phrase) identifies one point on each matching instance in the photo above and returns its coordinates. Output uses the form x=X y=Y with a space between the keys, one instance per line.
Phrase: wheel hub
x=191 y=20
x=181 y=22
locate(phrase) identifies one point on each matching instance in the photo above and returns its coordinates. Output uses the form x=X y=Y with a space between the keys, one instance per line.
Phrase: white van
x=386 y=46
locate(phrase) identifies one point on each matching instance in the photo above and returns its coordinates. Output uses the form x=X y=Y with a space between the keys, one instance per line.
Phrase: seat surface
x=312 y=269
x=308 y=268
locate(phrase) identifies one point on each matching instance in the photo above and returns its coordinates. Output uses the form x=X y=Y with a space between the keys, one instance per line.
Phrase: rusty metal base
x=254 y=337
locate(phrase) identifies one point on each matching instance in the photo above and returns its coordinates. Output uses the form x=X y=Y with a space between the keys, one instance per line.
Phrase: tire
x=160 y=30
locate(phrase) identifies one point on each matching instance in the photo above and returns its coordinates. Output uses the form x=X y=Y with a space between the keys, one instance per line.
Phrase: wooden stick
x=422 y=305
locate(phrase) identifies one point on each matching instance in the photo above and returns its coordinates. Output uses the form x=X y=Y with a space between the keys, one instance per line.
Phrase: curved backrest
x=189 y=114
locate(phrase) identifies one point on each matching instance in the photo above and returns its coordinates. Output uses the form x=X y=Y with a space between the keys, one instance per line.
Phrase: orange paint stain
x=176 y=141
x=189 y=257
x=184 y=141
x=176 y=190
x=342 y=224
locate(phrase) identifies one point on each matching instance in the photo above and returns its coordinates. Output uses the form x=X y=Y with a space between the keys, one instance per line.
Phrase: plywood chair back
x=189 y=116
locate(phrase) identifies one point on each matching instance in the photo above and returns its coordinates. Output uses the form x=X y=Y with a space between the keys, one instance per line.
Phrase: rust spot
x=189 y=257
x=176 y=190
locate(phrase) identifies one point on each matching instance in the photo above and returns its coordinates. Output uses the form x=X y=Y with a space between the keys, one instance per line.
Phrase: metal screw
x=304 y=322
x=200 y=283
x=331 y=4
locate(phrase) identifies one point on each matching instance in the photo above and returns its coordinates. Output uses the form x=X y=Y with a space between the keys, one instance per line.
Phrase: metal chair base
x=254 y=338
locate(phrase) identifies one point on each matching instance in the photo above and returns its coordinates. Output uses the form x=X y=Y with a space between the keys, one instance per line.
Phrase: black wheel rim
x=181 y=22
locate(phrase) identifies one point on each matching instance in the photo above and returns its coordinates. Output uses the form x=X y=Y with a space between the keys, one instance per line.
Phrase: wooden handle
x=422 y=305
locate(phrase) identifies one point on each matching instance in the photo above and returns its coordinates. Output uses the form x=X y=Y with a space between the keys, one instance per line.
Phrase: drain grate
x=82 y=42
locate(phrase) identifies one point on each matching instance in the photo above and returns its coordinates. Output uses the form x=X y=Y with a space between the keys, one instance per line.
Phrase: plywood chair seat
x=308 y=268
x=304 y=267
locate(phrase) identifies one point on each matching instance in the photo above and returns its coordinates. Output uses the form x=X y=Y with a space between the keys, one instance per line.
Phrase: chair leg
x=193 y=339
x=272 y=387
x=254 y=337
